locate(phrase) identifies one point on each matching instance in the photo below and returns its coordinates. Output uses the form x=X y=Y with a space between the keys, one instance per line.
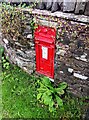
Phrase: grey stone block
x=87 y=9
x=41 y=5
x=69 y=5
x=80 y=6
x=60 y=3
x=55 y=6
x=49 y=4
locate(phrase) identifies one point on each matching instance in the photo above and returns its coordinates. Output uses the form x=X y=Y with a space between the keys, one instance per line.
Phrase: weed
x=50 y=95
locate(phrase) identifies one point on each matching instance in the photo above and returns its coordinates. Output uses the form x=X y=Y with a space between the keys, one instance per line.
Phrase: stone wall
x=21 y=52
x=71 y=54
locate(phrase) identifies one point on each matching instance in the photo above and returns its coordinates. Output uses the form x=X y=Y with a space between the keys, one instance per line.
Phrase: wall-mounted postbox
x=45 y=48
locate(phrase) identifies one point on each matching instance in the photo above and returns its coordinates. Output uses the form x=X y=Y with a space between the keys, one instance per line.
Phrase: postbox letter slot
x=45 y=52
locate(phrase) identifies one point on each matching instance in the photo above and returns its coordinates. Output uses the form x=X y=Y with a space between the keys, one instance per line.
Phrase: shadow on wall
x=65 y=6
x=87 y=115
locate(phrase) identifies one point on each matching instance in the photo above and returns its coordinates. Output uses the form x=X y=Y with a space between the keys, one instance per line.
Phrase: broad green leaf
x=41 y=90
x=62 y=85
x=47 y=99
x=51 y=103
x=48 y=84
x=59 y=101
x=39 y=96
x=42 y=85
x=52 y=109
x=46 y=81
x=43 y=96
x=49 y=92
x=60 y=92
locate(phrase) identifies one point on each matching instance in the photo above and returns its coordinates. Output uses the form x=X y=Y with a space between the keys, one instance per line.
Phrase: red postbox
x=45 y=48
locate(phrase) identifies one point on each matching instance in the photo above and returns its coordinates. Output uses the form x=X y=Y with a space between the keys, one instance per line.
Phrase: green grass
x=19 y=96
x=20 y=99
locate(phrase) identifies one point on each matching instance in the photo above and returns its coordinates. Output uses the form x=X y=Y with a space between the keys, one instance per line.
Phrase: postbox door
x=45 y=59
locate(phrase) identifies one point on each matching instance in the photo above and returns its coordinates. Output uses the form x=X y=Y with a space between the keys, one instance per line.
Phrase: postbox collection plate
x=45 y=50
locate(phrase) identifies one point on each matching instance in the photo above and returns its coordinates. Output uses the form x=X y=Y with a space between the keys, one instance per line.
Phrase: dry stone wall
x=72 y=56
x=71 y=53
x=22 y=52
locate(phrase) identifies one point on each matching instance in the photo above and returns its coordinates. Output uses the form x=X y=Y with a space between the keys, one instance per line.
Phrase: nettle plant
x=13 y=21
x=51 y=95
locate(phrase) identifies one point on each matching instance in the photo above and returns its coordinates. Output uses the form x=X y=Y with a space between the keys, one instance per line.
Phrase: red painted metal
x=45 y=48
